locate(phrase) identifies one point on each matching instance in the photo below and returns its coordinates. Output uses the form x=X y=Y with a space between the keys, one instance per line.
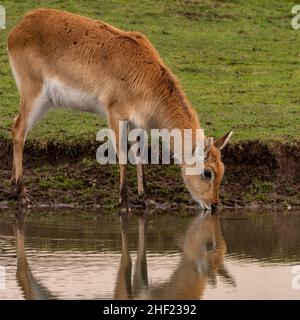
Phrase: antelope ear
x=221 y=142
x=208 y=143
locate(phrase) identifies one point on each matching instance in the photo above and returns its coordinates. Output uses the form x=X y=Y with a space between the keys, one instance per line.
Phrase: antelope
x=60 y=59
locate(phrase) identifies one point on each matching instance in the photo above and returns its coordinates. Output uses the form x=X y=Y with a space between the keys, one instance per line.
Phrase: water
x=88 y=255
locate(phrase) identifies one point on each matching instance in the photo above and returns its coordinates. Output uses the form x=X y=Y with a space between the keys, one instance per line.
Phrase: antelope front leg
x=141 y=183
x=114 y=120
x=142 y=190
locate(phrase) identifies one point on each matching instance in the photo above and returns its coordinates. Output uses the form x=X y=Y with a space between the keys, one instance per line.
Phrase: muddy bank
x=257 y=174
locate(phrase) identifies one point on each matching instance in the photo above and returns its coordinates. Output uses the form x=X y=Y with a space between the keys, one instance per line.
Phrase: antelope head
x=204 y=187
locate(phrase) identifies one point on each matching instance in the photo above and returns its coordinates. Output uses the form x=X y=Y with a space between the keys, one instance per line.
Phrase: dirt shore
x=257 y=174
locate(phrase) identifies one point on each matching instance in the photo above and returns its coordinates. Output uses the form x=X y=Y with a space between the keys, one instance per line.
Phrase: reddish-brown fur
x=122 y=70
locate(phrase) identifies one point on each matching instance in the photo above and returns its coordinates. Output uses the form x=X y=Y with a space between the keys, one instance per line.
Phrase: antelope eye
x=207 y=174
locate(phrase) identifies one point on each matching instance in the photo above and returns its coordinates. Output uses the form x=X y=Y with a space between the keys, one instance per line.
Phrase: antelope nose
x=214 y=204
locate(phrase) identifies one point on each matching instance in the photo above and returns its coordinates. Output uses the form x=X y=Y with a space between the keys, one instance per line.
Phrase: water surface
x=70 y=254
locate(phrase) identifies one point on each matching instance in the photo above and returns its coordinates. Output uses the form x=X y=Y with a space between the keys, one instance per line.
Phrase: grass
x=62 y=182
x=259 y=191
x=238 y=62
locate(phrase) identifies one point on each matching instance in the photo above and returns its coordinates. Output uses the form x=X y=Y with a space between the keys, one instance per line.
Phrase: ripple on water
x=236 y=258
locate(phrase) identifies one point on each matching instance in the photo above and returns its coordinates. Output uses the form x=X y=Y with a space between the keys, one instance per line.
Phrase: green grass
x=259 y=191
x=61 y=182
x=238 y=62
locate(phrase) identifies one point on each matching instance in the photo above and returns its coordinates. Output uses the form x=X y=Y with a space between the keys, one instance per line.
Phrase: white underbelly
x=61 y=95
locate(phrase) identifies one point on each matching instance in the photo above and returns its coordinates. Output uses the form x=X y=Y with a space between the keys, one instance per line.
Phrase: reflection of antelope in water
x=201 y=261
x=32 y=289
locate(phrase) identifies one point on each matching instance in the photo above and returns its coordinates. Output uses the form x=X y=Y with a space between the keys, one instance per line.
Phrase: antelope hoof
x=25 y=199
x=142 y=201
x=125 y=209
x=149 y=203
